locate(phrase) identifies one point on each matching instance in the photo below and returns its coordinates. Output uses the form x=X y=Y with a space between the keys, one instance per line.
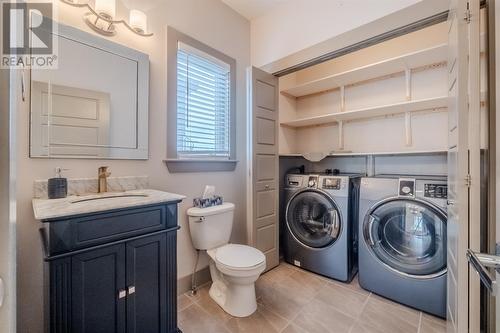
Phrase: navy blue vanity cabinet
x=96 y=276
x=117 y=277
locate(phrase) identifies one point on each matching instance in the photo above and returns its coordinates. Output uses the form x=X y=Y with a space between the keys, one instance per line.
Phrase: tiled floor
x=291 y=300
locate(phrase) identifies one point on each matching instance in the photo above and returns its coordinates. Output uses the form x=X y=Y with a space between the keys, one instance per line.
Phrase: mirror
x=94 y=105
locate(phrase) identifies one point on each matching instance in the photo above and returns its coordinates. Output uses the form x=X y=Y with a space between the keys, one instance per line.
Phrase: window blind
x=203 y=105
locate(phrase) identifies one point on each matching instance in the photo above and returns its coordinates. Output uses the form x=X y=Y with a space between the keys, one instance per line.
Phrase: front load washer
x=320 y=223
x=402 y=247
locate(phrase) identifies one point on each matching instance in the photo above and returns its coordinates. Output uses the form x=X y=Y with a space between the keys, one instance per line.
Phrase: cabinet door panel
x=97 y=277
x=146 y=282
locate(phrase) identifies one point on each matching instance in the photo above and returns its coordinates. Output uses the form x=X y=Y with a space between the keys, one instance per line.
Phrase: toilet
x=234 y=268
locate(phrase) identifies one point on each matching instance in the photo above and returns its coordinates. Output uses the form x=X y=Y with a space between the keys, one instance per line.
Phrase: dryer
x=320 y=223
x=402 y=247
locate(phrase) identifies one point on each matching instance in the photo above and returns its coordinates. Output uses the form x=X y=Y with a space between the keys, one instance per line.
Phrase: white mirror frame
x=140 y=152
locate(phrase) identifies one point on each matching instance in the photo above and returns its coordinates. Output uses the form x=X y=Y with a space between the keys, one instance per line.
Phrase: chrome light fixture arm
x=93 y=17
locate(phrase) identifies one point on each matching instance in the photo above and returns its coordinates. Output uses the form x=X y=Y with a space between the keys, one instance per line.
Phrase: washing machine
x=320 y=219
x=402 y=247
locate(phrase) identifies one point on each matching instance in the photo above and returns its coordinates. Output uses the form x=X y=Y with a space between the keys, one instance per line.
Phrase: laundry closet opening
x=378 y=110
x=363 y=143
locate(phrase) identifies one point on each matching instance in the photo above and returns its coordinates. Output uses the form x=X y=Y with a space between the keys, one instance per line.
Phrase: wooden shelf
x=412 y=106
x=430 y=56
x=394 y=153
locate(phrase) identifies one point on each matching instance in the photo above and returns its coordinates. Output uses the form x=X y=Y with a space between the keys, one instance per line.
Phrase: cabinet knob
x=122 y=293
x=131 y=290
x=267 y=187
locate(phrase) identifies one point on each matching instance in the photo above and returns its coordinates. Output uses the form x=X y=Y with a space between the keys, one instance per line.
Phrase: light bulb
x=107 y=8
x=138 y=21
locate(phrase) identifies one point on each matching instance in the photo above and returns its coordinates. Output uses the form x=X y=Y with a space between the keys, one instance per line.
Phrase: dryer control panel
x=436 y=191
x=406 y=187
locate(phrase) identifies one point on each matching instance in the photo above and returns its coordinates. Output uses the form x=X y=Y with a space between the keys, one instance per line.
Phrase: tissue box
x=208 y=202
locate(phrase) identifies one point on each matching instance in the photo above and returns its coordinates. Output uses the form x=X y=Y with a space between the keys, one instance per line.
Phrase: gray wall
x=433 y=164
x=209 y=21
x=7 y=225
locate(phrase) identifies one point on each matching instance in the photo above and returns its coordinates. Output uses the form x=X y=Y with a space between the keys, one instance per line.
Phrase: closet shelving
x=393 y=153
x=405 y=65
x=391 y=109
x=429 y=56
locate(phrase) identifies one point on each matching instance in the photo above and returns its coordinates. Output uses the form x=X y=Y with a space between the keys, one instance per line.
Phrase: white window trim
x=176 y=163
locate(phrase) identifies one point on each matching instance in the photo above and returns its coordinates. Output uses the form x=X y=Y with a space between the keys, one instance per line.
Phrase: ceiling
x=249 y=9
x=253 y=8
x=144 y=5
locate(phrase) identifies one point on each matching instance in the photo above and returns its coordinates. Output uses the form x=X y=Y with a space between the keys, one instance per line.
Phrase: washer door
x=313 y=218
x=408 y=236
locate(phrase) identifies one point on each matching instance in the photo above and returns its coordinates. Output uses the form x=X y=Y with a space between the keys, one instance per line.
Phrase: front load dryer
x=320 y=223
x=402 y=247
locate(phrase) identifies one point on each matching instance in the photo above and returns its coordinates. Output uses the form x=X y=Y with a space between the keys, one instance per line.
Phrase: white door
x=8 y=97
x=488 y=265
x=67 y=121
x=495 y=315
x=263 y=159
x=463 y=164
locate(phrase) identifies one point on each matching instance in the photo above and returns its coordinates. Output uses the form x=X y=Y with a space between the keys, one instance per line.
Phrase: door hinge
x=468 y=15
x=23 y=86
x=468 y=180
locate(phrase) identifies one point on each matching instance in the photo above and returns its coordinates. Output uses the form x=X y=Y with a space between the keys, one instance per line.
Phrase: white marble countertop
x=85 y=204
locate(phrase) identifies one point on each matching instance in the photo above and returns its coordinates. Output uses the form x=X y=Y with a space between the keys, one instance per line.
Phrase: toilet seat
x=237 y=258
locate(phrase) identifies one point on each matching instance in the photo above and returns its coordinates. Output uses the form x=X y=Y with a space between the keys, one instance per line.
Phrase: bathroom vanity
x=110 y=262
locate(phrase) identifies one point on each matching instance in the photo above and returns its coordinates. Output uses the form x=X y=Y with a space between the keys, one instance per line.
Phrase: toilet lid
x=239 y=256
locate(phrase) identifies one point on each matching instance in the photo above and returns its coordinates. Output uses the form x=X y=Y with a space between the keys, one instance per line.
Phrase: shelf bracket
x=408 y=131
x=370 y=166
x=341 y=135
x=408 y=83
x=342 y=98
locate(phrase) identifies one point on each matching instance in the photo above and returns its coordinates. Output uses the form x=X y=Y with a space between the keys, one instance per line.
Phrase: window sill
x=199 y=165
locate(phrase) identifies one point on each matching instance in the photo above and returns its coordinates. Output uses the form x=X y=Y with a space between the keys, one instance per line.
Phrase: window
x=201 y=106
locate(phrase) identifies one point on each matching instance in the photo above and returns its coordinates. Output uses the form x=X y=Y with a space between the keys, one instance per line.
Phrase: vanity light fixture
x=138 y=20
x=106 y=8
x=101 y=17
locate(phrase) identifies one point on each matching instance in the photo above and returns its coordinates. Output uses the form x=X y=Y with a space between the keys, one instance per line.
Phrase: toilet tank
x=211 y=227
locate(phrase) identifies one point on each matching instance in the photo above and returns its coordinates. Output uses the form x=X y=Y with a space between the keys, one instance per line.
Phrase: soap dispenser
x=57 y=187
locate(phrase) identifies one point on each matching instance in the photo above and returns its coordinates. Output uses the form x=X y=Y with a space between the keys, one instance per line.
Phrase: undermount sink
x=103 y=196
x=49 y=209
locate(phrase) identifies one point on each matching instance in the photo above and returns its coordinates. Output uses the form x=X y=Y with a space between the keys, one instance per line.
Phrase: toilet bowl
x=234 y=268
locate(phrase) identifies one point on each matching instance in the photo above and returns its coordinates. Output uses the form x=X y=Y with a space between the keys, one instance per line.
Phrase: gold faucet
x=103 y=175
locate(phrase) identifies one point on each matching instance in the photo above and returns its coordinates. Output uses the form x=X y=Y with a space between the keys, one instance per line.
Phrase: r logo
x=27 y=28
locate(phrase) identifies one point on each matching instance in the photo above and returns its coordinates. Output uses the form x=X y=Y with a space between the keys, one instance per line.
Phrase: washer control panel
x=313 y=182
x=331 y=183
x=294 y=180
x=436 y=191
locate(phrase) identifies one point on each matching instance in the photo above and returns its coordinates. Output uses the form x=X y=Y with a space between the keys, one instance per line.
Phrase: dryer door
x=408 y=236
x=313 y=218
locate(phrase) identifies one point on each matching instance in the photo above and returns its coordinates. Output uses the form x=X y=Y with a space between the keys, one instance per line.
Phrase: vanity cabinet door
x=146 y=285
x=98 y=291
